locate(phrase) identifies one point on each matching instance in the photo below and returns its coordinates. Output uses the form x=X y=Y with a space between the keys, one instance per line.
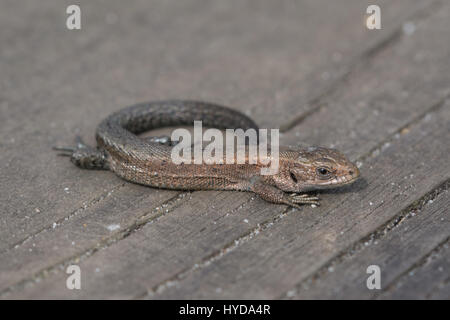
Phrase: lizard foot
x=304 y=199
x=83 y=155
x=275 y=195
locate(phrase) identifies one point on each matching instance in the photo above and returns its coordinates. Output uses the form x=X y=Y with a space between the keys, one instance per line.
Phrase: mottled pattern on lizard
x=148 y=161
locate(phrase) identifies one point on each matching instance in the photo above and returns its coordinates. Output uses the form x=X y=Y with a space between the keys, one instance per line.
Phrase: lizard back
x=149 y=163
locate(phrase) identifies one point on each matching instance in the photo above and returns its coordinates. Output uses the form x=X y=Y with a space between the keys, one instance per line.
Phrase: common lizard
x=148 y=161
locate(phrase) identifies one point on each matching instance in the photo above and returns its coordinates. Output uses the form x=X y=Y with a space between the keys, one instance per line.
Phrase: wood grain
x=395 y=249
x=61 y=83
x=369 y=89
x=428 y=279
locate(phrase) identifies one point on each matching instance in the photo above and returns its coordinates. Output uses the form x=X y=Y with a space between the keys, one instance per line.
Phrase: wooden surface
x=310 y=68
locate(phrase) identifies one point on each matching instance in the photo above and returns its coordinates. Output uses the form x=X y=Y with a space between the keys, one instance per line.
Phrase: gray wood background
x=308 y=67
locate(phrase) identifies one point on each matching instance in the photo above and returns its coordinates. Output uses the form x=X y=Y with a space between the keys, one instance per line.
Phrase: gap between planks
x=150 y=217
x=428 y=258
x=71 y=215
x=379 y=233
x=316 y=104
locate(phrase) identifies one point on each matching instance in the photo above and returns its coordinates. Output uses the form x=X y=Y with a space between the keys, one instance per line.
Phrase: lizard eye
x=323 y=172
x=293 y=177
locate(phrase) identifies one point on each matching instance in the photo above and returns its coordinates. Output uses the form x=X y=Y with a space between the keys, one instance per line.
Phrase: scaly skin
x=148 y=161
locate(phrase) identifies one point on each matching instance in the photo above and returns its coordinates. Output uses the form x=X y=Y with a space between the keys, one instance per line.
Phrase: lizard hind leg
x=84 y=156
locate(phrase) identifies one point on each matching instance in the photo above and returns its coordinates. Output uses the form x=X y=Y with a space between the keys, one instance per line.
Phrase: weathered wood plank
x=290 y=251
x=395 y=248
x=125 y=54
x=167 y=262
x=429 y=280
x=64 y=57
x=85 y=230
x=176 y=240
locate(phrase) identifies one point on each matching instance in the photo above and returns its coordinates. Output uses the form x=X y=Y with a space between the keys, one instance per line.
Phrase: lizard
x=147 y=161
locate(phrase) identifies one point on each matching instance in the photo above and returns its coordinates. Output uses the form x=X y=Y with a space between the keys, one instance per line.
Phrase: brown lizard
x=148 y=161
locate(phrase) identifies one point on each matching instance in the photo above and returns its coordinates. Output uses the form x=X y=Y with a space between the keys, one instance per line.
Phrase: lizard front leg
x=275 y=195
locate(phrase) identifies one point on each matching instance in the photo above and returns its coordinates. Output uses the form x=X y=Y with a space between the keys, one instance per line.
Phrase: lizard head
x=309 y=168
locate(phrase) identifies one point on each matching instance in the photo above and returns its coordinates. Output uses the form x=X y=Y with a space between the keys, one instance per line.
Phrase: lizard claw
x=294 y=205
x=66 y=151
x=304 y=199
x=80 y=143
x=83 y=155
x=69 y=151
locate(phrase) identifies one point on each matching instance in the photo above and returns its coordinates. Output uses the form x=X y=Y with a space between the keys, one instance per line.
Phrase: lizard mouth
x=344 y=180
